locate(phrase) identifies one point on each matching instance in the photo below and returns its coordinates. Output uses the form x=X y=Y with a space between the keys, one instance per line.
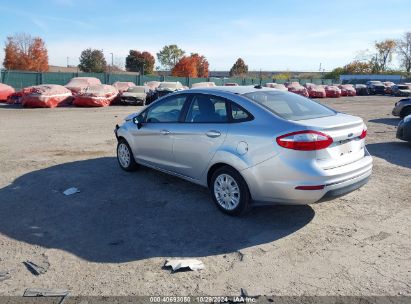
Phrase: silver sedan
x=249 y=145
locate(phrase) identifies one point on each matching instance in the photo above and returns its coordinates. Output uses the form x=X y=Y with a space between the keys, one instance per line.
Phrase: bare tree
x=404 y=51
x=385 y=50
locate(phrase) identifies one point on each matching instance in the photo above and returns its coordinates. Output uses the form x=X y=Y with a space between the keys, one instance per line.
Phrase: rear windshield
x=289 y=106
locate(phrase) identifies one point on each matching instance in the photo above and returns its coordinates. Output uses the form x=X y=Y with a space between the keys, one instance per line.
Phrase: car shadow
x=119 y=216
x=387 y=121
x=397 y=153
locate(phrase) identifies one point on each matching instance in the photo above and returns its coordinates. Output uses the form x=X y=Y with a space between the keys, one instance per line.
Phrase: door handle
x=213 y=134
x=165 y=132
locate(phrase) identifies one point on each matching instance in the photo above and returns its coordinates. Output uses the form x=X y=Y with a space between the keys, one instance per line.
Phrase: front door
x=153 y=142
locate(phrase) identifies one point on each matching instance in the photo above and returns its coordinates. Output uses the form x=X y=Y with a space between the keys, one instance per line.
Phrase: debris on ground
x=38 y=266
x=40 y=292
x=4 y=275
x=184 y=264
x=71 y=191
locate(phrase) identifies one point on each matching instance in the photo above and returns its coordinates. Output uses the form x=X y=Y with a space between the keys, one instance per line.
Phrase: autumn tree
x=169 y=55
x=92 y=61
x=358 y=67
x=193 y=66
x=239 y=68
x=404 y=51
x=201 y=64
x=385 y=49
x=140 y=61
x=24 y=52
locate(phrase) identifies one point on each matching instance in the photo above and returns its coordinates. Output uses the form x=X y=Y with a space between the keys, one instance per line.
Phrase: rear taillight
x=363 y=134
x=307 y=140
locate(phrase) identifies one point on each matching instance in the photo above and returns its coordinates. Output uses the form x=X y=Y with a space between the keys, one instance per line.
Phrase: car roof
x=227 y=89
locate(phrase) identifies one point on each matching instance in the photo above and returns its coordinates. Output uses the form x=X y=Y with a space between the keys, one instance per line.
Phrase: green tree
x=92 y=61
x=169 y=56
x=334 y=74
x=239 y=68
x=136 y=61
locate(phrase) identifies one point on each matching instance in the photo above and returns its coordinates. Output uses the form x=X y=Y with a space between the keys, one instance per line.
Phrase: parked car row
x=88 y=92
x=374 y=87
x=314 y=90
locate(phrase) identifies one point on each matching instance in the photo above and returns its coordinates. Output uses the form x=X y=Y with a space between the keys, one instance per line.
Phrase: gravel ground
x=113 y=237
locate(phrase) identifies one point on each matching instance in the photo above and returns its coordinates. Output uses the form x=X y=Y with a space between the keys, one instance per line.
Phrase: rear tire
x=229 y=191
x=405 y=112
x=125 y=156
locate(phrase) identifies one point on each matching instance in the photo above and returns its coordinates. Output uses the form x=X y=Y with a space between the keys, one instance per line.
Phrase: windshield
x=289 y=106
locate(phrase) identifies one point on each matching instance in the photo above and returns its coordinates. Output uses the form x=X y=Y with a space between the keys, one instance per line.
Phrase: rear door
x=200 y=135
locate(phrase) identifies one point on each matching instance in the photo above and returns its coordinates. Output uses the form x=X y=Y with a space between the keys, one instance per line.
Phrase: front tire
x=125 y=156
x=230 y=191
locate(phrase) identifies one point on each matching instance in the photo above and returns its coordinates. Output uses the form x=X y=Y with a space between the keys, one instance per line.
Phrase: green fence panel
x=327 y=81
x=317 y=81
x=147 y=78
x=183 y=80
x=280 y=81
x=304 y=81
x=57 y=78
x=100 y=76
x=238 y=81
x=112 y=78
x=19 y=80
x=217 y=81
x=197 y=80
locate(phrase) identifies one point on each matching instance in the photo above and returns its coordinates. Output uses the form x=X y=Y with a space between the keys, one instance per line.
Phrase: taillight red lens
x=363 y=134
x=306 y=140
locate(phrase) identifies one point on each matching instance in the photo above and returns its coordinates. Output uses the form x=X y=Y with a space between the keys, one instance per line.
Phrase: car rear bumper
x=268 y=182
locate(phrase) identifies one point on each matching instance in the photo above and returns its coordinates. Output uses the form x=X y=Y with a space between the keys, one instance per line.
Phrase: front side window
x=207 y=109
x=290 y=106
x=168 y=110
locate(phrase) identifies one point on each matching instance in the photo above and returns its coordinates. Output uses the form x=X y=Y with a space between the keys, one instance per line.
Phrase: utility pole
x=68 y=61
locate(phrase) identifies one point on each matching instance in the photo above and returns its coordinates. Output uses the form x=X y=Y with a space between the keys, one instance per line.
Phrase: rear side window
x=207 y=109
x=238 y=114
x=289 y=106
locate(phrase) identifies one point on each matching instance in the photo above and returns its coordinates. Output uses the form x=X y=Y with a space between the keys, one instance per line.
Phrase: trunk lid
x=347 y=146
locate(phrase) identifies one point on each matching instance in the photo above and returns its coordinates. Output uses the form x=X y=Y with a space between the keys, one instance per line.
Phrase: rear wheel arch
x=405 y=111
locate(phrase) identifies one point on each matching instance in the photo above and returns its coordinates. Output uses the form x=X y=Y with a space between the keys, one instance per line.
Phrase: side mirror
x=137 y=122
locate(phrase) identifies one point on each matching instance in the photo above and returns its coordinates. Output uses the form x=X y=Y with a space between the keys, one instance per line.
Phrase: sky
x=269 y=35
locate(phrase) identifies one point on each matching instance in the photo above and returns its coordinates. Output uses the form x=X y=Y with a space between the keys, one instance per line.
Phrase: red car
x=315 y=91
x=100 y=95
x=123 y=86
x=46 y=96
x=5 y=92
x=296 y=88
x=347 y=90
x=77 y=84
x=332 y=91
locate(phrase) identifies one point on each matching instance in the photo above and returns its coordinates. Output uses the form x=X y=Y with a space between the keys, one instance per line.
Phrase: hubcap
x=226 y=191
x=123 y=155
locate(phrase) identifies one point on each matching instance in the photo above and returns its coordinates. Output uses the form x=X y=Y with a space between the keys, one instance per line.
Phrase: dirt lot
x=112 y=238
